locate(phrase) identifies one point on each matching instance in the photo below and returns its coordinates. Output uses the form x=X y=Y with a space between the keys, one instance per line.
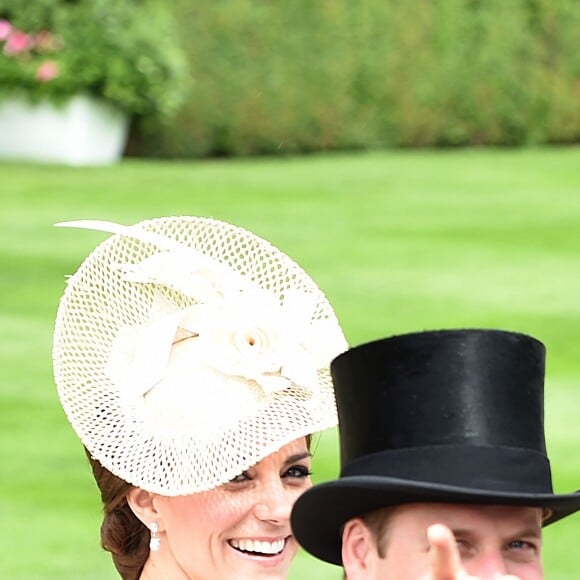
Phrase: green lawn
x=400 y=241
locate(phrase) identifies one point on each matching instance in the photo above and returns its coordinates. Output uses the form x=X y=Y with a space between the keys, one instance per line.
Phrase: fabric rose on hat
x=251 y=336
x=255 y=337
x=240 y=329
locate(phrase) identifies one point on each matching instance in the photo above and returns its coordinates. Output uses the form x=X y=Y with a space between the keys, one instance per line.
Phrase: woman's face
x=239 y=530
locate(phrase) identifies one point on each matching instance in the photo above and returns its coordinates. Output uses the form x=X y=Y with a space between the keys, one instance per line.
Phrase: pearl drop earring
x=154 y=542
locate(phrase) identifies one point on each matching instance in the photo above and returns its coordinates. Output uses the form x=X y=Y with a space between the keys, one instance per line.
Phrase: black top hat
x=453 y=416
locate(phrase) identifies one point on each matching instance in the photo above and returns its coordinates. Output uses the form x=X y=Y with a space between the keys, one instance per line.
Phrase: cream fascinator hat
x=187 y=349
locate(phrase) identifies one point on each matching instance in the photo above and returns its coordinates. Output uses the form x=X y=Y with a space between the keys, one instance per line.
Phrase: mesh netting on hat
x=150 y=351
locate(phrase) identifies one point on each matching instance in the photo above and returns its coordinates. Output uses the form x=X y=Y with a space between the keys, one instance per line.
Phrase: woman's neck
x=154 y=571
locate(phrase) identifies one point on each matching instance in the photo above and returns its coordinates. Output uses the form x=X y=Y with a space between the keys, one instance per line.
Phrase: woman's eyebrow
x=297 y=457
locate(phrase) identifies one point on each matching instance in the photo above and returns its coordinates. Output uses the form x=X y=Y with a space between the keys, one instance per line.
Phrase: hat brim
x=319 y=514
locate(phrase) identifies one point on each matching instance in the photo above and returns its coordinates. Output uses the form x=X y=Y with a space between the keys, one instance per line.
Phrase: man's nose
x=489 y=565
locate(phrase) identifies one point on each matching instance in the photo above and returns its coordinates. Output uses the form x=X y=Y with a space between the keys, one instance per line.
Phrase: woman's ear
x=358 y=548
x=142 y=504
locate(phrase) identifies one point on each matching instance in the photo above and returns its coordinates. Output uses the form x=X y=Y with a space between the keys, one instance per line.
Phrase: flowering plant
x=123 y=51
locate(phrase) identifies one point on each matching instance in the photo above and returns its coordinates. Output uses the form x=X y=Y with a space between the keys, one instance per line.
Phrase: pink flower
x=18 y=42
x=5 y=29
x=47 y=71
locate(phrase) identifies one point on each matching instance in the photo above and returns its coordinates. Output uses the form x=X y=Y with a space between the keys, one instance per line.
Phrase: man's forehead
x=462 y=515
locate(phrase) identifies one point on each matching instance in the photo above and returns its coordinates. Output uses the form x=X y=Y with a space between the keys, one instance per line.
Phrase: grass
x=399 y=241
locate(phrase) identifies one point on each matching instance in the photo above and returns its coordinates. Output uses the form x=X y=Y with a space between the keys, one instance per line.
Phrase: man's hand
x=445 y=562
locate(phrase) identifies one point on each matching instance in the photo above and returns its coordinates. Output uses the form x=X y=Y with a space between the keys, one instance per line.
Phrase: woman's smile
x=238 y=530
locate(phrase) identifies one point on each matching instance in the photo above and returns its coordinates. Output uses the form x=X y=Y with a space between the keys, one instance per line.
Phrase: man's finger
x=443 y=554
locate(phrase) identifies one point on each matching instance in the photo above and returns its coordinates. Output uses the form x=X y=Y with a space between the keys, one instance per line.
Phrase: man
x=444 y=468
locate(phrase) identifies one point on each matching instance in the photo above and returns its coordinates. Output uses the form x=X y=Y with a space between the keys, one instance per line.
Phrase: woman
x=191 y=358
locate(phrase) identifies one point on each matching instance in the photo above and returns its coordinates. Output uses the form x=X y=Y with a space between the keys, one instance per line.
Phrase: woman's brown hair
x=122 y=533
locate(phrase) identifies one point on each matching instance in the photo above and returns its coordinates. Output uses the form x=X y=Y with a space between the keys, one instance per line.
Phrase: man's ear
x=143 y=505
x=359 y=550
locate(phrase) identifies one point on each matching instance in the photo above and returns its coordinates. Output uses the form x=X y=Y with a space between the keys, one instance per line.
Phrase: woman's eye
x=299 y=471
x=240 y=478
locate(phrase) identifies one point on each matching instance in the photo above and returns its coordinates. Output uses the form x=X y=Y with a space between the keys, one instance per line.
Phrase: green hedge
x=305 y=75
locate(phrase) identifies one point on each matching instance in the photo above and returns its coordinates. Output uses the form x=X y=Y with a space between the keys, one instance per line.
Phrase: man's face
x=492 y=541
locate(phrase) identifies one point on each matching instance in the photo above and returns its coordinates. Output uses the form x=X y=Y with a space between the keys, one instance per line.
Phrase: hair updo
x=122 y=533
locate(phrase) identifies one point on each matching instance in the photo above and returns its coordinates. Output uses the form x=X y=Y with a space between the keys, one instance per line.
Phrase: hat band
x=494 y=469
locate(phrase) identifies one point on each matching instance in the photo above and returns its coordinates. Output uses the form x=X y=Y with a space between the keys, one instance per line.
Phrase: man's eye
x=298 y=471
x=463 y=547
x=522 y=545
x=523 y=551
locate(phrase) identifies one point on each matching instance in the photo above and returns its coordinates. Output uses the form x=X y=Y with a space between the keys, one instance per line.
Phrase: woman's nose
x=275 y=504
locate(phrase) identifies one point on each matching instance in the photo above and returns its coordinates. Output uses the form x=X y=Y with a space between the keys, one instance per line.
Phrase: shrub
x=124 y=51
x=276 y=77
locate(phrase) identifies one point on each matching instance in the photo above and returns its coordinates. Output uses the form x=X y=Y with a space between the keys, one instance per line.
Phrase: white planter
x=85 y=131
